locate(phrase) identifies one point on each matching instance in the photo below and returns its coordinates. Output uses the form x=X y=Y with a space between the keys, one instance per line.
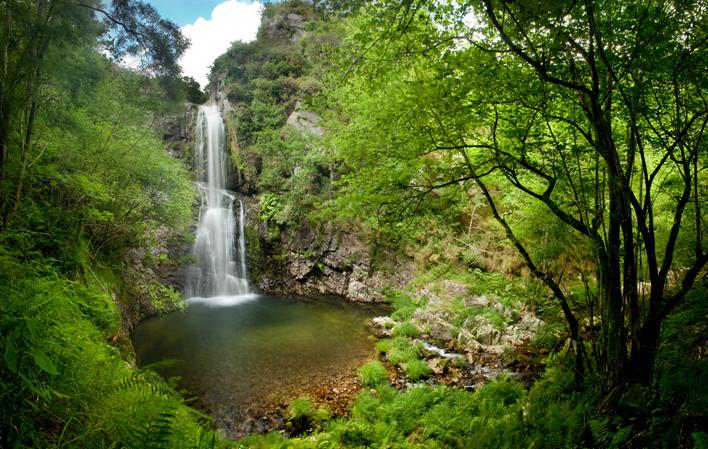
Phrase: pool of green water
x=240 y=353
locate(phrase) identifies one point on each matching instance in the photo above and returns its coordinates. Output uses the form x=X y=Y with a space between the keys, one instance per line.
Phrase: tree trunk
x=611 y=297
x=4 y=98
x=642 y=361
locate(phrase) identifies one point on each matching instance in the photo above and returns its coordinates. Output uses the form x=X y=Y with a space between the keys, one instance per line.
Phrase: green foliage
x=406 y=329
x=403 y=305
x=270 y=206
x=417 y=369
x=82 y=182
x=373 y=374
x=192 y=91
x=53 y=335
x=302 y=415
x=301 y=407
x=548 y=336
x=384 y=345
x=427 y=123
x=401 y=350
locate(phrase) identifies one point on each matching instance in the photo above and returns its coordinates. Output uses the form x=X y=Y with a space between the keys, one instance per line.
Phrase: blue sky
x=183 y=12
x=211 y=26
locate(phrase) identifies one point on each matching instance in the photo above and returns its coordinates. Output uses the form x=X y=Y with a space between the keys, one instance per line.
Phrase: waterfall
x=219 y=265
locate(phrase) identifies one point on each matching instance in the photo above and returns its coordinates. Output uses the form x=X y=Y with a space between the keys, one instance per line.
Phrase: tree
x=627 y=81
x=595 y=110
x=39 y=38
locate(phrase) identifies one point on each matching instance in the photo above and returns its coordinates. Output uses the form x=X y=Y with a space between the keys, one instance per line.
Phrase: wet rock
x=321 y=260
x=300 y=266
x=477 y=301
x=436 y=327
x=333 y=281
x=178 y=132
x=358 y=291
x=523 y=331
x=483 y=329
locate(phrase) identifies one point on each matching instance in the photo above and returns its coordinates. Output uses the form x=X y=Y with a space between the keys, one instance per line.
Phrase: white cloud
x=230 y=21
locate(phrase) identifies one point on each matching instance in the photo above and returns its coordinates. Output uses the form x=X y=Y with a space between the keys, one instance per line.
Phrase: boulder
x=382 y=326
x=483 y=329
x=523 y=331
x=467 y=342
x=477 y=301
x=305 y=121
x=503 y=310
x=452 y=288
x=435 y=326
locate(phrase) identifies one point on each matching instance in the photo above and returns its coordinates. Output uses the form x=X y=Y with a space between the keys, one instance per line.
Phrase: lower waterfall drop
x=218 y=272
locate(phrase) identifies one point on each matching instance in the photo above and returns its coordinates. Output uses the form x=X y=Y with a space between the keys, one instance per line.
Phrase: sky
x=211 y=26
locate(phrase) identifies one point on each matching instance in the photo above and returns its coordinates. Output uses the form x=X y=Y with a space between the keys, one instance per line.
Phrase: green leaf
x=11 y=356
x=44 y=362
x=32 y=326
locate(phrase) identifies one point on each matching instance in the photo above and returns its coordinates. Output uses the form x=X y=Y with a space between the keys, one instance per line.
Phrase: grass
x=405 y=329
x=402 y=351
x=301 y=407
x=373 y=374
x=417 y=369
x=404 y=306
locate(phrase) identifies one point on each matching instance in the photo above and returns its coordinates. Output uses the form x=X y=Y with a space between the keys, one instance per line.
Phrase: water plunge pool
x=242 y=356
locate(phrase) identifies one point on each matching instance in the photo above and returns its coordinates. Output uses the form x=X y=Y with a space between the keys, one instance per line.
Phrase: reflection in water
x=247 y=350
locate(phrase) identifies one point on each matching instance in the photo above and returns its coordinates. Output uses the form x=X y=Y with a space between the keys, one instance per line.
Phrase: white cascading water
x=219 y=269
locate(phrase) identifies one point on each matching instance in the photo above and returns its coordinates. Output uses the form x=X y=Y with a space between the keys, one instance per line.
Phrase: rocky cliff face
x=178 y=133
x=153 y=276
x=321 y=260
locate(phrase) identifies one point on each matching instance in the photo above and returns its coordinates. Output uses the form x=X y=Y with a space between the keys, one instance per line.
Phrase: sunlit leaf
x=44 y=362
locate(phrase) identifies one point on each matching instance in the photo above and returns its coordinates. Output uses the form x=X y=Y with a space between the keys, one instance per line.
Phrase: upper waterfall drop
x=219 y=269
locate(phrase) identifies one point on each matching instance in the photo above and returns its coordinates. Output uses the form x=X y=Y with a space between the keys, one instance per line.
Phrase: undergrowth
x=63 y=385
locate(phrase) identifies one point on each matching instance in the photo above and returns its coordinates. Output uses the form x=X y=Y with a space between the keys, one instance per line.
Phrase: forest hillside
x=522 y=183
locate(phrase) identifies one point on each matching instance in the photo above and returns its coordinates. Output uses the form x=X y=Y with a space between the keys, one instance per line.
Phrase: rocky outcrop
x=285 y=25
x=153 y=277
x=178 y=133
x=305 y=121
x=487 y=326
x=321 y=260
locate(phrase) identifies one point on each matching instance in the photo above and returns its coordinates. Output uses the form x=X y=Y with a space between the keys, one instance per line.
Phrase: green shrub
x=321 y=415
x=373 y=374
x=402 y=350
x=302 y=407
x=384 y=346
x=417 y=369
x=54 y=350
x=406 y=329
